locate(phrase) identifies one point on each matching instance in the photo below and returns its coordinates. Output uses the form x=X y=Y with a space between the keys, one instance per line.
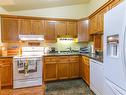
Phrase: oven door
x=27 y=68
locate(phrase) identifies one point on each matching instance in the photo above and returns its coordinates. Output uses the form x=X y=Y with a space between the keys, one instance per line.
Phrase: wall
x=72 y=12
x=95 y=4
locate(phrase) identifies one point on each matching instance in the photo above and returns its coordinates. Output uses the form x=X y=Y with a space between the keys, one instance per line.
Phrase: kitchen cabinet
x=50 y=34
x=63 y=67
x=100 y=20
x=50 y=68
x=96 y=77
x=86 y=69
x=9 y=32
x=74 y=66
x=6 y=71
x=61 y=28
x=72 y=29
x=83 y=33
x=31 y=27
x=96 y=24
x=37 y=27
x=25 y=27
x=93 y=24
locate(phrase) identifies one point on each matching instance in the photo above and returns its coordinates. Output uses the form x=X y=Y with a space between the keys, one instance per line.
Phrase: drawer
x=6 y=61
x=63 y=59
x=50 y=59
x=74 y=58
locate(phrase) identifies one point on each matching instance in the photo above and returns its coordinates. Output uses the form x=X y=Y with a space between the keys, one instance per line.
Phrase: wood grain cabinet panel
x=9 y=30
x=61 y=28
x=37 y=27
x=93 y=24
x=72 y=29
x=74 y=66
x=83 y=32
x=63 y=67
x=86 y=69
x=50 y=34
x=50 y=68
x=100 y=20
x=25 y=27
x=6 y=71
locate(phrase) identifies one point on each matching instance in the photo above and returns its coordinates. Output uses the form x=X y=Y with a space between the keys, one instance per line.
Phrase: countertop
x=90 y=55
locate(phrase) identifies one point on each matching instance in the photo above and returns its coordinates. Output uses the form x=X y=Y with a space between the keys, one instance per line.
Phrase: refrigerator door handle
x=124 y=52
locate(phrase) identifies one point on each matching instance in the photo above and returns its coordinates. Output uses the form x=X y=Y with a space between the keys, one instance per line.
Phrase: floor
x=27 y=91
x=68 y=87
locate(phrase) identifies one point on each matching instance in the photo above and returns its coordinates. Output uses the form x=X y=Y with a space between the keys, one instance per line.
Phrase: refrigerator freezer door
x=115 y=25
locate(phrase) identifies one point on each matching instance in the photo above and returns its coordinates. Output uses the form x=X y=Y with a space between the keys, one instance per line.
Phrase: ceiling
x=17 y=5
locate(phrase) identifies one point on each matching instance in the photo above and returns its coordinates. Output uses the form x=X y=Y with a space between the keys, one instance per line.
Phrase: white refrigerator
x=115 y=50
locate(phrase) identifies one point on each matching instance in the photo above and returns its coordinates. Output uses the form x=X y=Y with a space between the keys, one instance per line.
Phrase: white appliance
x=31 y=37
x=97 y=77
x=27 y=69
x=115 y=50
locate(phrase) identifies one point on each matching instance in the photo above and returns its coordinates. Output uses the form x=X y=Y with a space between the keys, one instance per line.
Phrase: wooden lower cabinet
x=63 y=70
x=61 y=67
x=74 y=66
x=86 y=69
x=50 y=68
x=6 y=71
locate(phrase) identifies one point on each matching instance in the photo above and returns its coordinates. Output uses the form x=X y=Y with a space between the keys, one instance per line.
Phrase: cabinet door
x=93 y=24
x=50 y=35
x=50 y=71
x=72 y=28
x=74 y=70
x=9 y=30
x=63 y=67
x=100 y=19
x=37 y=27
x=87 y=73
x=6 y=72
x=50 y=68
x=60 y=27
x=25 y=27
x=83 y=34
x=74 y=66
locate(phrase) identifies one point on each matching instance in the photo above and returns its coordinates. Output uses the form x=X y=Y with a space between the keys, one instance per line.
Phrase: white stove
x=27 y=69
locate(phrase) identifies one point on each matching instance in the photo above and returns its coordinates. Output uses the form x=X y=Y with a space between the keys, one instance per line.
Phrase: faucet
x=70 y=49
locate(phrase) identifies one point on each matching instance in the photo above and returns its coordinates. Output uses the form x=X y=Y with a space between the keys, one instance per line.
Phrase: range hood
x=31 y=37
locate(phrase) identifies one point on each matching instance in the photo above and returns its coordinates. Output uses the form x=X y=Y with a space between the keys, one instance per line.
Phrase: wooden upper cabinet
x=31 y=27
x=37 y=27
x=100 y=21
x=72 y=28
x=25 y=27
x=83 y=33
x=60 y=28
x=50 y=35
x=9 y=30
x=93 y=24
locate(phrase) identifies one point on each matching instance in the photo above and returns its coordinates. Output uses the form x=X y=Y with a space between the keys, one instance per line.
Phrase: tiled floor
x=68 y=87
